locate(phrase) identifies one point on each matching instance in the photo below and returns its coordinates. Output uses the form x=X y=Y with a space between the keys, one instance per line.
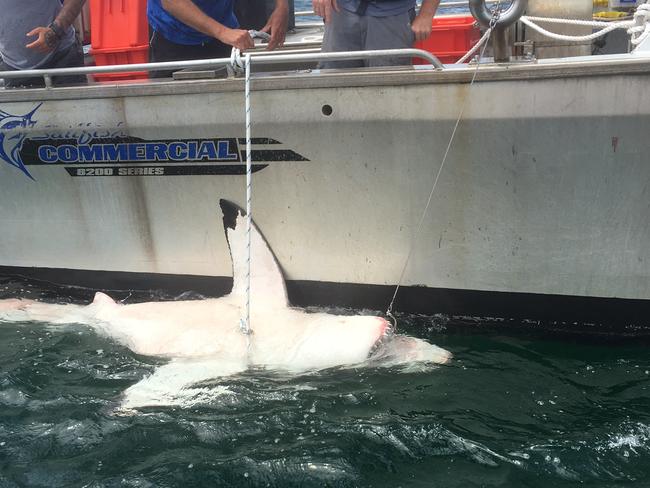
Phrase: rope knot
x=236 y=61
x=641 y=30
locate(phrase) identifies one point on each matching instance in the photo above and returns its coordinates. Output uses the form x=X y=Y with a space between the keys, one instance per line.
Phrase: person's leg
x=73 y=57
x=392 y=32
x=346 y=31
x=20 y=82
x=162 y=50
x=251 y=14
x=8 y=82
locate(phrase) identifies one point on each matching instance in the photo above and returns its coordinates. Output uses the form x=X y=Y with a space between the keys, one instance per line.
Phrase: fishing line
x=389 y=312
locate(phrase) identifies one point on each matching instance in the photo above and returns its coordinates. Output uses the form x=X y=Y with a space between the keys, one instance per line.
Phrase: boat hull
x=544 y=191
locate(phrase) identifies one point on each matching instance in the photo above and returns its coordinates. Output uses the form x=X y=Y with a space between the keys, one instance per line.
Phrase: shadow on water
x=514 y=408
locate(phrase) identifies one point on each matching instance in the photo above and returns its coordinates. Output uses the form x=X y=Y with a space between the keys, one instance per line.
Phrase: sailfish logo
x=12 y=137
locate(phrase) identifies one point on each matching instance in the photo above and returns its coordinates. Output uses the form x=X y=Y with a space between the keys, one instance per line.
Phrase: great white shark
x=204 y=340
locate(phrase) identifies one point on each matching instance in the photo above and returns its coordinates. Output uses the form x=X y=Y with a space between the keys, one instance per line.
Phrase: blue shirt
x=175 y=31
x=379 y=8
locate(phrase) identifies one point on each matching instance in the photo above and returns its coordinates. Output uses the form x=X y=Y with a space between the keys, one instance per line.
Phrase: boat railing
x=311 y=13
x=257 y=58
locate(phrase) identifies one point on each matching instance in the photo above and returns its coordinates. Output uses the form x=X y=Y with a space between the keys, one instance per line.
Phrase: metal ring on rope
x=485 y=16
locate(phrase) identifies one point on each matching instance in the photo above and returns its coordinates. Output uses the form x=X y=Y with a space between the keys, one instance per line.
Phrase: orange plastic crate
x=118 y=23
x=131 y=55
x=119 y=34
x=451 y=37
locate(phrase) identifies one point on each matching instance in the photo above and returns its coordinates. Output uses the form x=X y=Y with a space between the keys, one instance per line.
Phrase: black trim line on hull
x=560 y=313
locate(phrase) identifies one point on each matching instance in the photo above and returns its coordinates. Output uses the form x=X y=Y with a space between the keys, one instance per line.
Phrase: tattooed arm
x=48 y=37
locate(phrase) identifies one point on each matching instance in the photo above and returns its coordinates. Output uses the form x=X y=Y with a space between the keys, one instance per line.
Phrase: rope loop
x=608 y=27
x=638 y=28
x=641 y=29
x=236 y=61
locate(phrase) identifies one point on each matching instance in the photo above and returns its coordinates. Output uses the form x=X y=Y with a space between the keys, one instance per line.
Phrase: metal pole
x=500 y=45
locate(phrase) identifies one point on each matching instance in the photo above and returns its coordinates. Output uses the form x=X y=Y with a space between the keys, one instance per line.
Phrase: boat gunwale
x=621 y=65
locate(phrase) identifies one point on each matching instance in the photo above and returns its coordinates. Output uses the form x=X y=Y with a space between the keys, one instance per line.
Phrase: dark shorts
x=161 y=50
x=73 y=57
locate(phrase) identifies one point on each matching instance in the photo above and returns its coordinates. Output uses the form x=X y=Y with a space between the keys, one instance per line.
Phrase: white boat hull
x=545 y=190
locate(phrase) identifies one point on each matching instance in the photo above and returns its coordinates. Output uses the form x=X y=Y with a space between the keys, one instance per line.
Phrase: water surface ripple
x=507 y=412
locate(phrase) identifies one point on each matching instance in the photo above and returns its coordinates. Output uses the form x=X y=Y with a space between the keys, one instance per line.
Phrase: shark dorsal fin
x=102 y=299
x=267 y=283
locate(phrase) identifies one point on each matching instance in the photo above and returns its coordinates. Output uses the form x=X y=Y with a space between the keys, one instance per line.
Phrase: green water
x=508 y=411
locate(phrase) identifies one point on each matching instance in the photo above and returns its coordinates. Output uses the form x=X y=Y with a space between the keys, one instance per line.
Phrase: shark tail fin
x=267 y=282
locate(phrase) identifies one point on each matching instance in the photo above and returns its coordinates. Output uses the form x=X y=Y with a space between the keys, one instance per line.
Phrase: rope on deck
x=638 y=28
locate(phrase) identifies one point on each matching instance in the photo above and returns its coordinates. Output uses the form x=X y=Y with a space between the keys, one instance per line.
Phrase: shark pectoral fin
x=13 y=304
x=267 y=281
x=179 y=383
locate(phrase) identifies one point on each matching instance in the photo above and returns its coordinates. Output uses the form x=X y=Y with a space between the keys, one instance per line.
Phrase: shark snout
x=383 y=326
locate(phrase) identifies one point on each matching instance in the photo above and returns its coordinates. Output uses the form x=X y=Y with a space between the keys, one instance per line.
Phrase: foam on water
x=507 y=411
x=190 y=382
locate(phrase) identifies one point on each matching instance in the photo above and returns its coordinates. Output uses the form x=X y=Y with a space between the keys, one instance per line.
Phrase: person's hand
x=277 y=25
x=238 y=38
x=421 y=27
x=323 y=8
x=46 y=40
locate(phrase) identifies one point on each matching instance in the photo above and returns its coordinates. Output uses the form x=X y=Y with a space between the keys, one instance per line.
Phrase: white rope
x=590 y=23
x=488 y=32
x=611 y=26
x=638 y=28
x=476 y=47
x=389 y=311
x=236 y=61
x=238 y=65
x=641 y=30
x=246 y=322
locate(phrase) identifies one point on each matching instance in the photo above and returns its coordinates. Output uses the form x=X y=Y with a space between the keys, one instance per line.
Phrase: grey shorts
x=71 y=57
x=348 y=31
